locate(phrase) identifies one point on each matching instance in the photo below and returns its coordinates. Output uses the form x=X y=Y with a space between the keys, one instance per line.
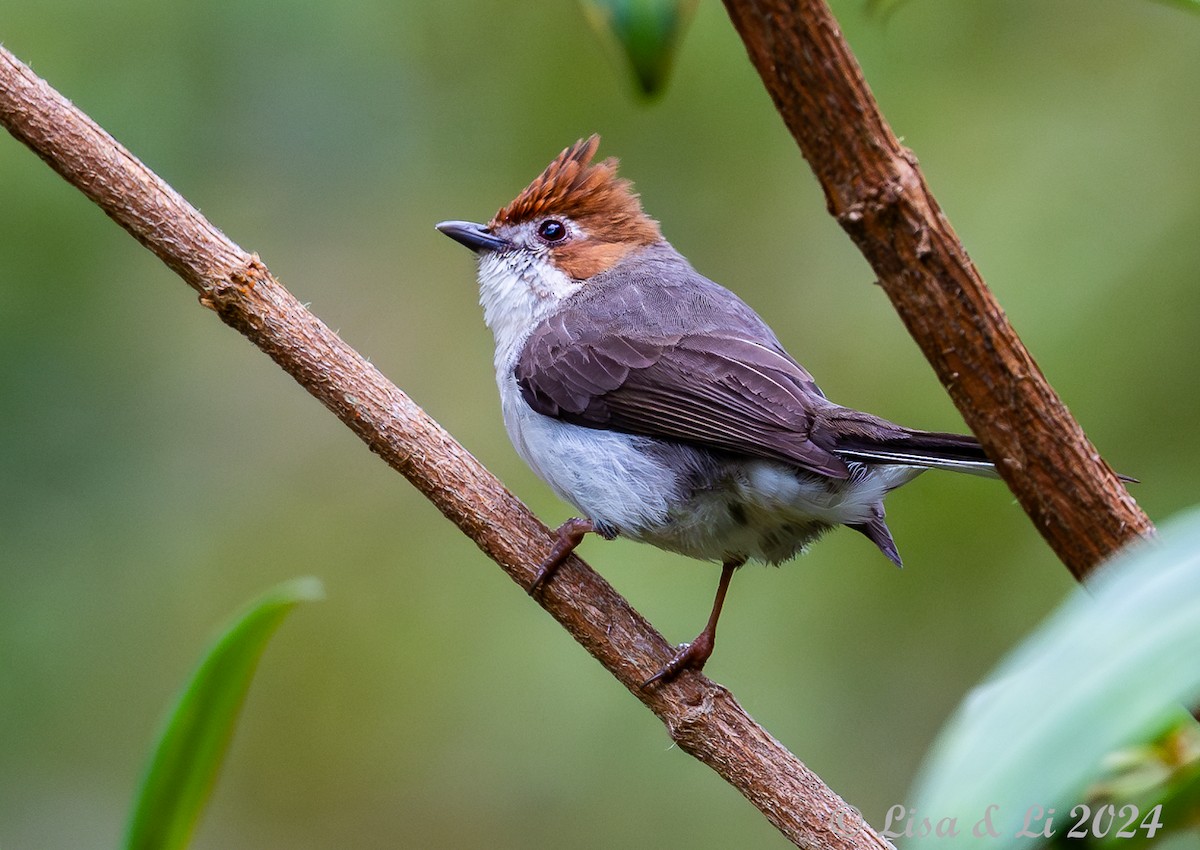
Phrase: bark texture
x=875 y=189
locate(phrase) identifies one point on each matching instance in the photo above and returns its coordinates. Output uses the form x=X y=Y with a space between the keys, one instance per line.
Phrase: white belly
x=604 y=474
x=686 y=500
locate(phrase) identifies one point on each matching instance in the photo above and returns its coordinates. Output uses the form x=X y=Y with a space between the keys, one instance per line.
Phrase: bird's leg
x=692 y=656
x=570 y=534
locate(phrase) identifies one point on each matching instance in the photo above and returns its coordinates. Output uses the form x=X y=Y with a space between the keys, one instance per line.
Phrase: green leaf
x=1108 y=671
x=883 y=8
x=646 y=32
x=183 y=768
x=1188 y=5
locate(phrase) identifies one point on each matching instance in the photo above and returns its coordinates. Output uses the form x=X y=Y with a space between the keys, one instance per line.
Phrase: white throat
x=517 y=290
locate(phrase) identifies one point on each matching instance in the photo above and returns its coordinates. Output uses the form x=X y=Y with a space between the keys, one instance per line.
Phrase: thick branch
x=702 y=717
x=877 y=192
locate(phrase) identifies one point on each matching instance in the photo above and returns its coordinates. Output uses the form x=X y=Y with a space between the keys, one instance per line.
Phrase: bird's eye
x=552 y=230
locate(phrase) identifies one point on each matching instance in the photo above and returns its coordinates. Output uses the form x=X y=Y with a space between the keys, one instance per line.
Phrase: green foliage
x=184 y=766
x=1189 y=5
x=646 y=32
x=883 y=7
x=886 y=7
x=1087 y=712
x=152 y=460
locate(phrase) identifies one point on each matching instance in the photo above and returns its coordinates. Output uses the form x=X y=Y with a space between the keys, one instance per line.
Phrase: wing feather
x=717 y=389
x=661 y=351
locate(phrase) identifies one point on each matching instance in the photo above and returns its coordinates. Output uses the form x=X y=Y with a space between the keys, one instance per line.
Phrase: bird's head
x=577 y=216
x=576 y=220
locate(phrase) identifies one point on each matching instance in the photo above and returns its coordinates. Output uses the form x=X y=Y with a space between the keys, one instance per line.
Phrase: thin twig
x=702 y=717
x=875 y=189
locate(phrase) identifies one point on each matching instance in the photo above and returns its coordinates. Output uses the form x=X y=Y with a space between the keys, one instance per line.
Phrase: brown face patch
x=586 y=258
x=604 y=206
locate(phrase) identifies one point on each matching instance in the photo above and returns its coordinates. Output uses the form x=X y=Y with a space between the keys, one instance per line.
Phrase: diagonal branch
x=702 y=717
x=876 y=191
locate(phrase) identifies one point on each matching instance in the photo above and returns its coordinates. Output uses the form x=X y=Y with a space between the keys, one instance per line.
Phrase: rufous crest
x=604 y=205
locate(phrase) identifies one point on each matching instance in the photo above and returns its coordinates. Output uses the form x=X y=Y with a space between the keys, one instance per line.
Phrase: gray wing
x=618 y=362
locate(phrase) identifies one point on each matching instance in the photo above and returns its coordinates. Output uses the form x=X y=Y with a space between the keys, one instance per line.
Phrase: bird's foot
x=690 y=656
x=569 y=535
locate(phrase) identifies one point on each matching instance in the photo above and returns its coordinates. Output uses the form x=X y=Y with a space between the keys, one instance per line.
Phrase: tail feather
x=861 y=436
x=854 y=435
x=877 y=532
x=929 y=449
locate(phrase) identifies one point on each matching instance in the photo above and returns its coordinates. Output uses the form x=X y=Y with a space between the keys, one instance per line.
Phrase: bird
x=661 y=406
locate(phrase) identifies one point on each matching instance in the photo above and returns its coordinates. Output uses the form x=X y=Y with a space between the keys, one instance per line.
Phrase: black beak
x=474 y=236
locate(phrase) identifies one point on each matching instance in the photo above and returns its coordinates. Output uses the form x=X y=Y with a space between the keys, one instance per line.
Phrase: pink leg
x=692 y=656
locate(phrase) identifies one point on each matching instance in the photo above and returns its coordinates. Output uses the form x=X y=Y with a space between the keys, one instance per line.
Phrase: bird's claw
x=569 y=535
x=688 y=656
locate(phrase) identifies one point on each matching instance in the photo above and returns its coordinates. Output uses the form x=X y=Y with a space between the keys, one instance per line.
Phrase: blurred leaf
x=646 y=32
x=886 y=7
x=1189 y=5
x=1108 y=671
x=1162 y=775
x=1141 y=771
x=184 y=766
x=883 y=8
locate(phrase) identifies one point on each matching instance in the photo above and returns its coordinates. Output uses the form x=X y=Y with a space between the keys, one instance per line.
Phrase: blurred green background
x=156 y=471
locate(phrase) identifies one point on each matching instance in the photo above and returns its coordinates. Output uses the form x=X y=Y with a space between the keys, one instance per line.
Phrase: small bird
x=659 y=404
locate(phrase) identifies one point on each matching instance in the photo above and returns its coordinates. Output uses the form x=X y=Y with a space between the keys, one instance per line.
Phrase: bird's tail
x=928 y=449
x=863 y=437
